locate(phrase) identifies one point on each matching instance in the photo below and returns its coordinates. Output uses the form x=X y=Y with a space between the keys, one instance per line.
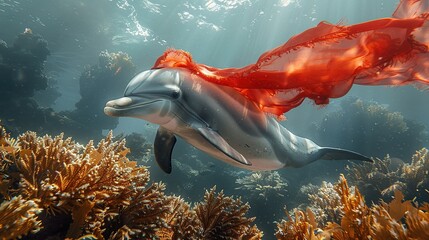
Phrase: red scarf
x=325 y=61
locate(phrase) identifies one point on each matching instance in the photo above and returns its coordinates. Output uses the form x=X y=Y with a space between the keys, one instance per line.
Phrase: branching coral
x=18 y=217
x=78 y=190
x=385 y=176
x=223 y=217
x=355 y=219
x=358 y=221
x=386 y=216
x=303 y=224
x=415 y=175
x=100 y=190
x=182 y=220
x=382 y=172
x=263 y=184
x=142 y=217
x=325 y=202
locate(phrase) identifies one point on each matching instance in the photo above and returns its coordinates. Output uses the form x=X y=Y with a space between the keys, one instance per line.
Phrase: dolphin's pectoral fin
x=163 y=147
x=221 y=144
x=326 y=153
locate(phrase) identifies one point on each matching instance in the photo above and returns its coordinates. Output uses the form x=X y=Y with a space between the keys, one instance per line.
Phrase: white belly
x=256 y=150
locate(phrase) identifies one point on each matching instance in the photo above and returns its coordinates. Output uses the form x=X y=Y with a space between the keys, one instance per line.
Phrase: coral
x=118 y=62
x=303 y=224
x=263 y=184
x=325 y=202
x=372 y=128
x=141 y=218
x=398 y=219
x=385 y=218
x=223 y=217
x=381 y=179
x=415 y=175
x=18 y=217
x=87 y=189
x=355 y=221
x=382 y=172
x=68 y=190
x=182 y=220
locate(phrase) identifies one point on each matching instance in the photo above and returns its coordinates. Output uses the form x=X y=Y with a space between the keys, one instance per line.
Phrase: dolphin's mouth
x=119 y=107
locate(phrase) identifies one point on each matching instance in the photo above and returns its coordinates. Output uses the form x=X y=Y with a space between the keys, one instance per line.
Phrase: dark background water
x=219 y=33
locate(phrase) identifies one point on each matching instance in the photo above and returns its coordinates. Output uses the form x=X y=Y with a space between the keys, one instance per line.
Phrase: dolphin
x=216 y=120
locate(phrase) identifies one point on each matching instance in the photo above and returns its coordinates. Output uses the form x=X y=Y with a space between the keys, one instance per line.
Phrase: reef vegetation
x=354 y=219
x=385 y=176
x=55 y=188
x=265 y=185
x=372 y=129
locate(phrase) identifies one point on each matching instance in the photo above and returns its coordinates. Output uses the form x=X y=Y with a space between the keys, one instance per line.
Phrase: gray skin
x=217 y=120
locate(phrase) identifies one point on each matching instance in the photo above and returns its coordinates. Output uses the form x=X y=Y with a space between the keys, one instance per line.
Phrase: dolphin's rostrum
x=217 y=120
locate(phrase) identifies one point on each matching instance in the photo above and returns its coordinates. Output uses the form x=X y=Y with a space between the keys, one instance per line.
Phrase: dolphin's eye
x=175 y=94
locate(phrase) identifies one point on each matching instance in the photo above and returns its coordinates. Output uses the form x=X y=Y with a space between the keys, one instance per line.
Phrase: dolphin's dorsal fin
x=222 y=145
x=163 y=147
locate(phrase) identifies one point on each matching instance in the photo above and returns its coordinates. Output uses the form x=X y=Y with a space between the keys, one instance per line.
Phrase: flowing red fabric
x=325 y=61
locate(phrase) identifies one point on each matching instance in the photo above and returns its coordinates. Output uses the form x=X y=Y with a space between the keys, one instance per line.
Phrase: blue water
x=219 y=33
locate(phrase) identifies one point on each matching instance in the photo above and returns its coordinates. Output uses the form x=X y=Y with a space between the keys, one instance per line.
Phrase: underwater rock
x=21 y=66
x=140 y=148
x=22 y=76
x=98 y=84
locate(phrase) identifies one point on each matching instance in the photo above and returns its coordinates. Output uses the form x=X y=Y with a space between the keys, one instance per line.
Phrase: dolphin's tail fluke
x=326 y=153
